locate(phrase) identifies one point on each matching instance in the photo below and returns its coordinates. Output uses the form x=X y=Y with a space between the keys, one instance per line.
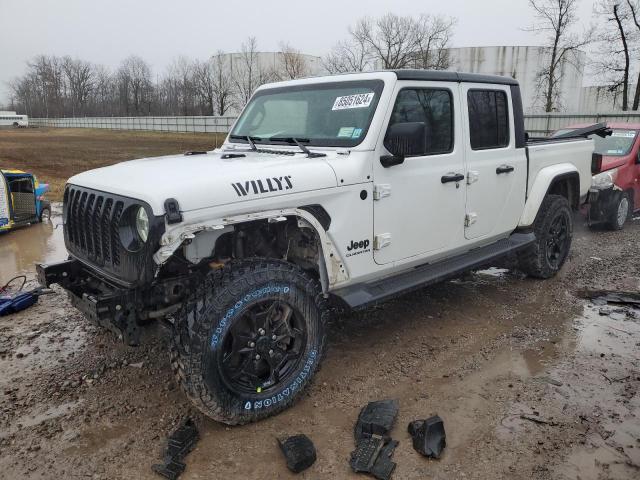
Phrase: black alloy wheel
x=263 y=347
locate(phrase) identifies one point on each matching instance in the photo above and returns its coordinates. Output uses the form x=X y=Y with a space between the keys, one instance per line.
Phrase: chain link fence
x=538 y=125
x=155 y=124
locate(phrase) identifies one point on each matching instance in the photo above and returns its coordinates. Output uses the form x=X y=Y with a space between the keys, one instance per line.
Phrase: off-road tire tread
x=216 y=287
x=531 y=260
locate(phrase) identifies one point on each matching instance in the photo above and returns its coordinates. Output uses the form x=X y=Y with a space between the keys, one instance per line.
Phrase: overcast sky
x=106 y=31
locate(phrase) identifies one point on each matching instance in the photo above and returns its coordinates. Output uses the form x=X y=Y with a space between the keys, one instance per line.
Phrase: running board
x=362 y=295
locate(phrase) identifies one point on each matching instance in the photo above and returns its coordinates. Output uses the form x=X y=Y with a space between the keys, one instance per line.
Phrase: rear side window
x=488 y=119
x=433 y=107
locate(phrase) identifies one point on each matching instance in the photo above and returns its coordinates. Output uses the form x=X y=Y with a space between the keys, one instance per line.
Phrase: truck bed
x=556 y=152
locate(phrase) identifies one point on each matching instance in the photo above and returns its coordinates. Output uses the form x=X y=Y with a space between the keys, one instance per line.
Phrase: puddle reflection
x=20 y=249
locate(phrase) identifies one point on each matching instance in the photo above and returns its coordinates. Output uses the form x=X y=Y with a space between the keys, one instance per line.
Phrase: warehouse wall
x=523 y=64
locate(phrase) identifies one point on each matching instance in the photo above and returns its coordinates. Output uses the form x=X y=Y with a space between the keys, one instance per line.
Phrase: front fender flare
x=331 y=266
x=540 y=187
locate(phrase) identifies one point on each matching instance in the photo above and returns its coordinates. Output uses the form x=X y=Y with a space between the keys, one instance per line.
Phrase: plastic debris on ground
x=299 y=452
x=374 y=446
x=180 y=443
x=429 y=437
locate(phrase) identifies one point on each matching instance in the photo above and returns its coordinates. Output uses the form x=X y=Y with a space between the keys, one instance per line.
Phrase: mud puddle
x=20 y=249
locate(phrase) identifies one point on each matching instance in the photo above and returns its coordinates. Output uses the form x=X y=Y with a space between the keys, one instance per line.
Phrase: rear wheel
x=553 y=229
x=250 y=340
x=620 y=212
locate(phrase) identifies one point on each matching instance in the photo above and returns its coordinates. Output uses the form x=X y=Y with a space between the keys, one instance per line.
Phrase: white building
x=524 y=64
x=270 y=64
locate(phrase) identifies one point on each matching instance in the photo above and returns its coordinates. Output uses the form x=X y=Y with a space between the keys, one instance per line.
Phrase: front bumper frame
x=105 y=304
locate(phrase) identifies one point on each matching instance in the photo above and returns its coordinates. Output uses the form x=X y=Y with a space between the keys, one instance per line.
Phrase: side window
x=488 y=119
x=434 y=108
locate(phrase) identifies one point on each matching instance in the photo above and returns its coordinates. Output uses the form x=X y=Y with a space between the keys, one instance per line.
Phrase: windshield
x=328 y=114
x=618 y=144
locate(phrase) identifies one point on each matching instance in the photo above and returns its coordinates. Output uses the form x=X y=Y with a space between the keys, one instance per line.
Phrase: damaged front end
x=119 y=309
x=604 y=196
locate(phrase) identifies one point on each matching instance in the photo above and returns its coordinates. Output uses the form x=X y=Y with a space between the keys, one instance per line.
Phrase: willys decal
x=266 y=185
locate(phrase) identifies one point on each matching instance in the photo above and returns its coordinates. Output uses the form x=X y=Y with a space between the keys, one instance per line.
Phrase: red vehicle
x=615 y=191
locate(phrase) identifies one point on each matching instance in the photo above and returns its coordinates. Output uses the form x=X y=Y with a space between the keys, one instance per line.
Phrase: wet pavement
x=532 y=381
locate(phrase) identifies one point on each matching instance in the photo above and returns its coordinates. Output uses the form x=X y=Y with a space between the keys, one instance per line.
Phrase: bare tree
x=80 y=80
x=392 y=42
x=555 y=19
x=248 y=72
x=633 y=11
x=434 y=35
x=390 y=39
x=180 y=82
x=348 y=56
x=292 y=63
x=134 y=85
x=203 y=82
x=396 y=42
x=104 y=92
x=223 y=85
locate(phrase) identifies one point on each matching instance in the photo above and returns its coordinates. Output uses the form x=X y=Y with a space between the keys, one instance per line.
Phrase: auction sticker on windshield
x=359 y=100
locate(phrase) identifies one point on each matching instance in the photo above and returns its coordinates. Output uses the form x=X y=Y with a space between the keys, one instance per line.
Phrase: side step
x=359 y=296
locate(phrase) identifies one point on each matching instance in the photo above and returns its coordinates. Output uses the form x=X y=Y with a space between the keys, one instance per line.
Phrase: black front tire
x=553 y=229
x=219 y=334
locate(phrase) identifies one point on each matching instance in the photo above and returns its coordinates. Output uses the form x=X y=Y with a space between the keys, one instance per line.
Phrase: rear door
x=497 y=171
x=416 y=214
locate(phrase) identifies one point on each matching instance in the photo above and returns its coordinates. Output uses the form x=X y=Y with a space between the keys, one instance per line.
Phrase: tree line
x=66 y=87
x=63 y=86
x=54 y=86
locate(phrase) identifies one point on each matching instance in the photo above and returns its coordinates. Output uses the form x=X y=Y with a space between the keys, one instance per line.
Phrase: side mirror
x=407 y=139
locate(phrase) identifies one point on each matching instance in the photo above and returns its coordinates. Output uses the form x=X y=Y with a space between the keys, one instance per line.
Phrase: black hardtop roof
x=448 y=76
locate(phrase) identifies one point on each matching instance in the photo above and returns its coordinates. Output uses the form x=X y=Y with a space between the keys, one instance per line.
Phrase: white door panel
x=497 y=174
x=421 y=215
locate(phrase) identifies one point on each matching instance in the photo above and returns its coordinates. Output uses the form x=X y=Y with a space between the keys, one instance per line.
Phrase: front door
x=419 y=205
x=497 y=170
x=4 y=202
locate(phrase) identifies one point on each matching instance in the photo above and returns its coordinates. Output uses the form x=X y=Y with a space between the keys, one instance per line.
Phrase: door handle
x=452 y=177
x=504 y=169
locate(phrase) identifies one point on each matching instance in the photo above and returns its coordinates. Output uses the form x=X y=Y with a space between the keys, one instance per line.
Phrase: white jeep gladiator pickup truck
x=341 y=190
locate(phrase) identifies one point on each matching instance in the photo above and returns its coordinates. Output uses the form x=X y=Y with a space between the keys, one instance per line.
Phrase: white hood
x=207 y=180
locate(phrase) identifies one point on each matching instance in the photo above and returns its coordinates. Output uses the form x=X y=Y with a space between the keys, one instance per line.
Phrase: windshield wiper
x=298 y=142
x=250 y=140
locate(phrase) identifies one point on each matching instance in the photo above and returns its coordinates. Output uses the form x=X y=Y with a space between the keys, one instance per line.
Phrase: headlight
x=142 y=224
x=605 y=179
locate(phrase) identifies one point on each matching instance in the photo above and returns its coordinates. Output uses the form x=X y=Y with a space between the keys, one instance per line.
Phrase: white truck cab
x=341 y=190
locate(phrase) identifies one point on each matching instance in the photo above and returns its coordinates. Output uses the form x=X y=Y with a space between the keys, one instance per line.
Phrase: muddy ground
x=480 y=351
x=55 y=154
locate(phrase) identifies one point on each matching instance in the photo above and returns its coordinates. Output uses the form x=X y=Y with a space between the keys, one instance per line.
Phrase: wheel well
x=568 y=186
x=289 y=239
